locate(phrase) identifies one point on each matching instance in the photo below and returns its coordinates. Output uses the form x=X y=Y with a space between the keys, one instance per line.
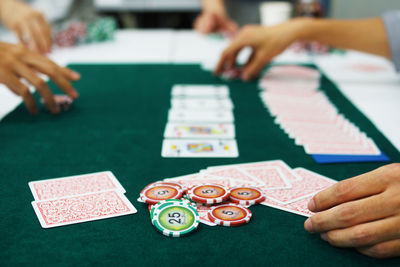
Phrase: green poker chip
x=172 y=200
x=175 y=218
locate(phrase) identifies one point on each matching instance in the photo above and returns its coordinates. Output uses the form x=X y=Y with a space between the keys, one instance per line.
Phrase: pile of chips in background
x=174 y=209
x=74 y=33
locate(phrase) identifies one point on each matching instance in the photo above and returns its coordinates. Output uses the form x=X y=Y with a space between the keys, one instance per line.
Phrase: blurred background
x=180 y=14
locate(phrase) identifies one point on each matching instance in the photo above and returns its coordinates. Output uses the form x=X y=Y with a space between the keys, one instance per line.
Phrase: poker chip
x=209 y=193
x=229 y=215
x=152 y=208
x=182 y=187
x=64 y=102
x=156 y=193
x=246 y=195
x=175 y=218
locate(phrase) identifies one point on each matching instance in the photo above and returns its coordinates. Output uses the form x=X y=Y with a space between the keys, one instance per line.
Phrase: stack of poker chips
x=74 y=33
x=174 y=209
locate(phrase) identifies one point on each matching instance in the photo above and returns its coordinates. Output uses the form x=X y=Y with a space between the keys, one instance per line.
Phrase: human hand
x=28 y=24
x=17 y=61
x=209 y=22
x=265 y=42
x=362 y=212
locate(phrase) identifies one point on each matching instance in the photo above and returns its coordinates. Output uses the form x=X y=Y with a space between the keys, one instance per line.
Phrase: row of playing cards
x=291 y=94
x=285 y=188
x=200 y=123
x=80 y=198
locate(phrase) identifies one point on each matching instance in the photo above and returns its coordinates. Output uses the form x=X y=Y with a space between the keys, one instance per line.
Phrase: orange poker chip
x=156 y=193
x=246 y=195
x=229 y=215
x=209 y=193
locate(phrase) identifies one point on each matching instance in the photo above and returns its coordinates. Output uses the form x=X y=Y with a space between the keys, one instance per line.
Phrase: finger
x=367 y=234
x=55 y=72
x=17 y=87
x=46 y=30
x=388 y=249
x=229 y=27
x=254 y=67
x=354 y=188
x=70 y=74
x=349 y=214
x=30 y=37
x=20 y=35
x=228 y=57
x=40 y=36
x=40 y=85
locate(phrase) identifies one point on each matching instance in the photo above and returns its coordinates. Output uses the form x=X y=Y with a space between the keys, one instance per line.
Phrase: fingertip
x=311 y=205
x=308 y=225
x=74 y=75
x=324 y=236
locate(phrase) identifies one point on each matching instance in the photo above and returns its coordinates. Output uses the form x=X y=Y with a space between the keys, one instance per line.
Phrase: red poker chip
x=209 y=193
x=246 y=195
x=156 y=193
x=229 y=215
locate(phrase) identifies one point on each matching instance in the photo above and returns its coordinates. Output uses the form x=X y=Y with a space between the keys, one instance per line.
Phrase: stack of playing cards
x=200 y=123
x=285 y=188
x=81 y=198
x=305 y=113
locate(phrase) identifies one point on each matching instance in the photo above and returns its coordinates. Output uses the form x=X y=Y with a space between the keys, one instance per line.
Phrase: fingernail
x=311 y=204
x=308 y=225
x=324 y=236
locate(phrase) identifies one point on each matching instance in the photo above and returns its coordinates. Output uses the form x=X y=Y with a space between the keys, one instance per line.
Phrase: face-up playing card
x=199 y=148
x=82 y=208
x=211 y=116
x=213 y=91
x=309 y=185
x=75 y=185
x=200 y=130
x=201 y=103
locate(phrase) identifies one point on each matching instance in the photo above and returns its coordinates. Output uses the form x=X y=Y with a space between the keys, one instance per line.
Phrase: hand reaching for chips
x=18 y=62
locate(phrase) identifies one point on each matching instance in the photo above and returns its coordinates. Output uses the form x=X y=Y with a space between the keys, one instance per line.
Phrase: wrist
x=304 y=29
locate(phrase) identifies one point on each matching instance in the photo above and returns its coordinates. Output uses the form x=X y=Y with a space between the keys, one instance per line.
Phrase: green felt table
x=117 y=124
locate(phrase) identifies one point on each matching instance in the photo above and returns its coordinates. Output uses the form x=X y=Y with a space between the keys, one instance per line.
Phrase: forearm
x=366 y=35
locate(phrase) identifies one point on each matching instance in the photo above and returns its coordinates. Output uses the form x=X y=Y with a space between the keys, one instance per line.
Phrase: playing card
x=215 y=91
x=198 y=148
x=192 y=180
x=271 y=177
x=298 y=207
x=201 y=103
x=309 y=185
x=212 y=116
x=82 y=208
x=281 y=165
x=343 y=149
x=239 y=176
x=203 y=214
x=198 y=130
x=74 y=185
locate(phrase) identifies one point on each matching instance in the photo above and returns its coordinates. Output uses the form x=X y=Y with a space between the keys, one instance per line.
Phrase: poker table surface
x=117 y=124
